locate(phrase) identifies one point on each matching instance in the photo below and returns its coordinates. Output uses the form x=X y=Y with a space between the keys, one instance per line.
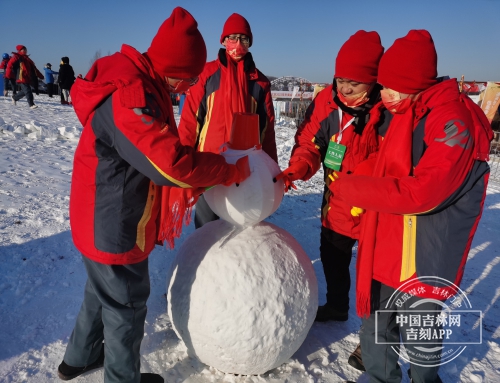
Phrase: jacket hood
x=447 y=91
x=106 y=76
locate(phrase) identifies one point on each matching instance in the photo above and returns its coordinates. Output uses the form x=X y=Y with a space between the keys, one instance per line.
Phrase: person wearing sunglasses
x=127 y=158
x=231 y=83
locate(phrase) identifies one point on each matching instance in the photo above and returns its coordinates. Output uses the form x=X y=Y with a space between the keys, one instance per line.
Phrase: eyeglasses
x=177 y=81
x=243 y=39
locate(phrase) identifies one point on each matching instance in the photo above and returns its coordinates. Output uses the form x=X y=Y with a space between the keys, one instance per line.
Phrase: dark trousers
x=13 y=84
x=25 y=91
x=6 y=82
x=336 y=253
x=50 y=89
x=380 y=360
x=203 y=214
x=113 y=309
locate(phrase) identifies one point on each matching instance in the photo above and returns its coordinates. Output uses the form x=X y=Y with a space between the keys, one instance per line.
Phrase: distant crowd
x=21 y=75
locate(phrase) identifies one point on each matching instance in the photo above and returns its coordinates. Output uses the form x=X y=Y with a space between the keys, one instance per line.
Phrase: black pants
x=13 y=84
x=381 y=329
x=203 y=214
x=50 y=89
x=113 y=309
x=25 y=91
x=6 y=82
x=336 y=253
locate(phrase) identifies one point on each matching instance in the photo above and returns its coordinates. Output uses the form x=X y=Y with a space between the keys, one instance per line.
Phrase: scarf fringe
x=176 y=209
x=363 y=305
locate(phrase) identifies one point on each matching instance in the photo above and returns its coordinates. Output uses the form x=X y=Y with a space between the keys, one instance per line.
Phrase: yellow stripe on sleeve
x=171 y=179
x=208 y=117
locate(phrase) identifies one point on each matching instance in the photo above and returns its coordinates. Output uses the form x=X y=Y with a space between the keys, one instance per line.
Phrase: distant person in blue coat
x=49 y=78
x=3 y=67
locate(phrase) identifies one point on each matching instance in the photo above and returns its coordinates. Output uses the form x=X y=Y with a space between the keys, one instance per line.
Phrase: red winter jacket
x=202 y=123
x=321 y=126
x=128 y=146
x=426 y=220
x=3 y=64
x=21 y=68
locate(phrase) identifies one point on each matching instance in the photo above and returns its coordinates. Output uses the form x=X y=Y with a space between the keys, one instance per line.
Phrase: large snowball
x=254 y=199
x=244 y=305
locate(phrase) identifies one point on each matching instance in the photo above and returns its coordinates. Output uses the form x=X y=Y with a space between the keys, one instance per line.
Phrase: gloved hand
x=241 y=172
x=294 y=172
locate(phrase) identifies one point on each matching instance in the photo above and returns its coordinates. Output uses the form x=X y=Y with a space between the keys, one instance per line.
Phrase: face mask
x=236 y=50
x=181 y=86
x=393 y=102
x=353 y=100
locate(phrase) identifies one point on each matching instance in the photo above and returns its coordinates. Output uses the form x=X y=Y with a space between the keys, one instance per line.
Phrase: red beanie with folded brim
x=20 y=47
x=359 y=57
x=410 y=64
x=178 y=49
x=236 y=24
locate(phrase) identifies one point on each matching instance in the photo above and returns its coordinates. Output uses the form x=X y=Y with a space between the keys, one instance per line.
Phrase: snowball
x=254 y=199
x=245 y=303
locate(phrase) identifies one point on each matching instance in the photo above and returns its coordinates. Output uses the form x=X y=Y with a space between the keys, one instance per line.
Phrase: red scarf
x=176 y=202
x=393 y=160
x=176 y=207
x=235 y=88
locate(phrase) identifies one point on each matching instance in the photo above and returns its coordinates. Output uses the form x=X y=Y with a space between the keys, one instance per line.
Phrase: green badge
x=334 y=155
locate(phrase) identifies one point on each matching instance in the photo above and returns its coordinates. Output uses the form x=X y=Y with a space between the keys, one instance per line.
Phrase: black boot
x=326 y=313
x=355 y=359
x=151 y=378
x=67 y=372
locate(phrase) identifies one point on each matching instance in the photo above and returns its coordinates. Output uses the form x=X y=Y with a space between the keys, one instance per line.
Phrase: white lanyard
x=341 y=130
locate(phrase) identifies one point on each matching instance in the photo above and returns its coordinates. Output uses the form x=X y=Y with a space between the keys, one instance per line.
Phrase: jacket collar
x=443 y=92
x=249 y=64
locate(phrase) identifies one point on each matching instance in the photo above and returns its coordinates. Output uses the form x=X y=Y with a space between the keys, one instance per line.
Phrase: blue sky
x=291 y=38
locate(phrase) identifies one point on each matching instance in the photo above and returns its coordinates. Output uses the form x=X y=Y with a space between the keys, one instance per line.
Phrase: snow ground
x=42 y=276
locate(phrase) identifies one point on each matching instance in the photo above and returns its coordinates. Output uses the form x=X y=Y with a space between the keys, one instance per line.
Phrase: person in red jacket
x=339 y=116
x=423 y=199
x=23 y=69
x=227 y=85
x=128 y=156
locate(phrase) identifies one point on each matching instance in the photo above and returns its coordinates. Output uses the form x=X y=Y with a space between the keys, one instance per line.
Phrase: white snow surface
x=42 y=276
x=256 y=317
x=254 y=199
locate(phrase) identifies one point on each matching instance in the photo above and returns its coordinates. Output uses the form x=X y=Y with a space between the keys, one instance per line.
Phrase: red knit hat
x=410 y=64
x=20 y=47
x=358 y=58
x=178 y=49
x=236 y=24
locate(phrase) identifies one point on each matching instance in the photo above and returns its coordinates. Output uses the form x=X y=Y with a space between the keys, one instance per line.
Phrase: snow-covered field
x=42 y=276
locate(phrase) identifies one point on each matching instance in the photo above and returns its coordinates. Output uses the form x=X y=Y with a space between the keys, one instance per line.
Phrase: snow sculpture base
x=254 y=199
x=245 y=307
